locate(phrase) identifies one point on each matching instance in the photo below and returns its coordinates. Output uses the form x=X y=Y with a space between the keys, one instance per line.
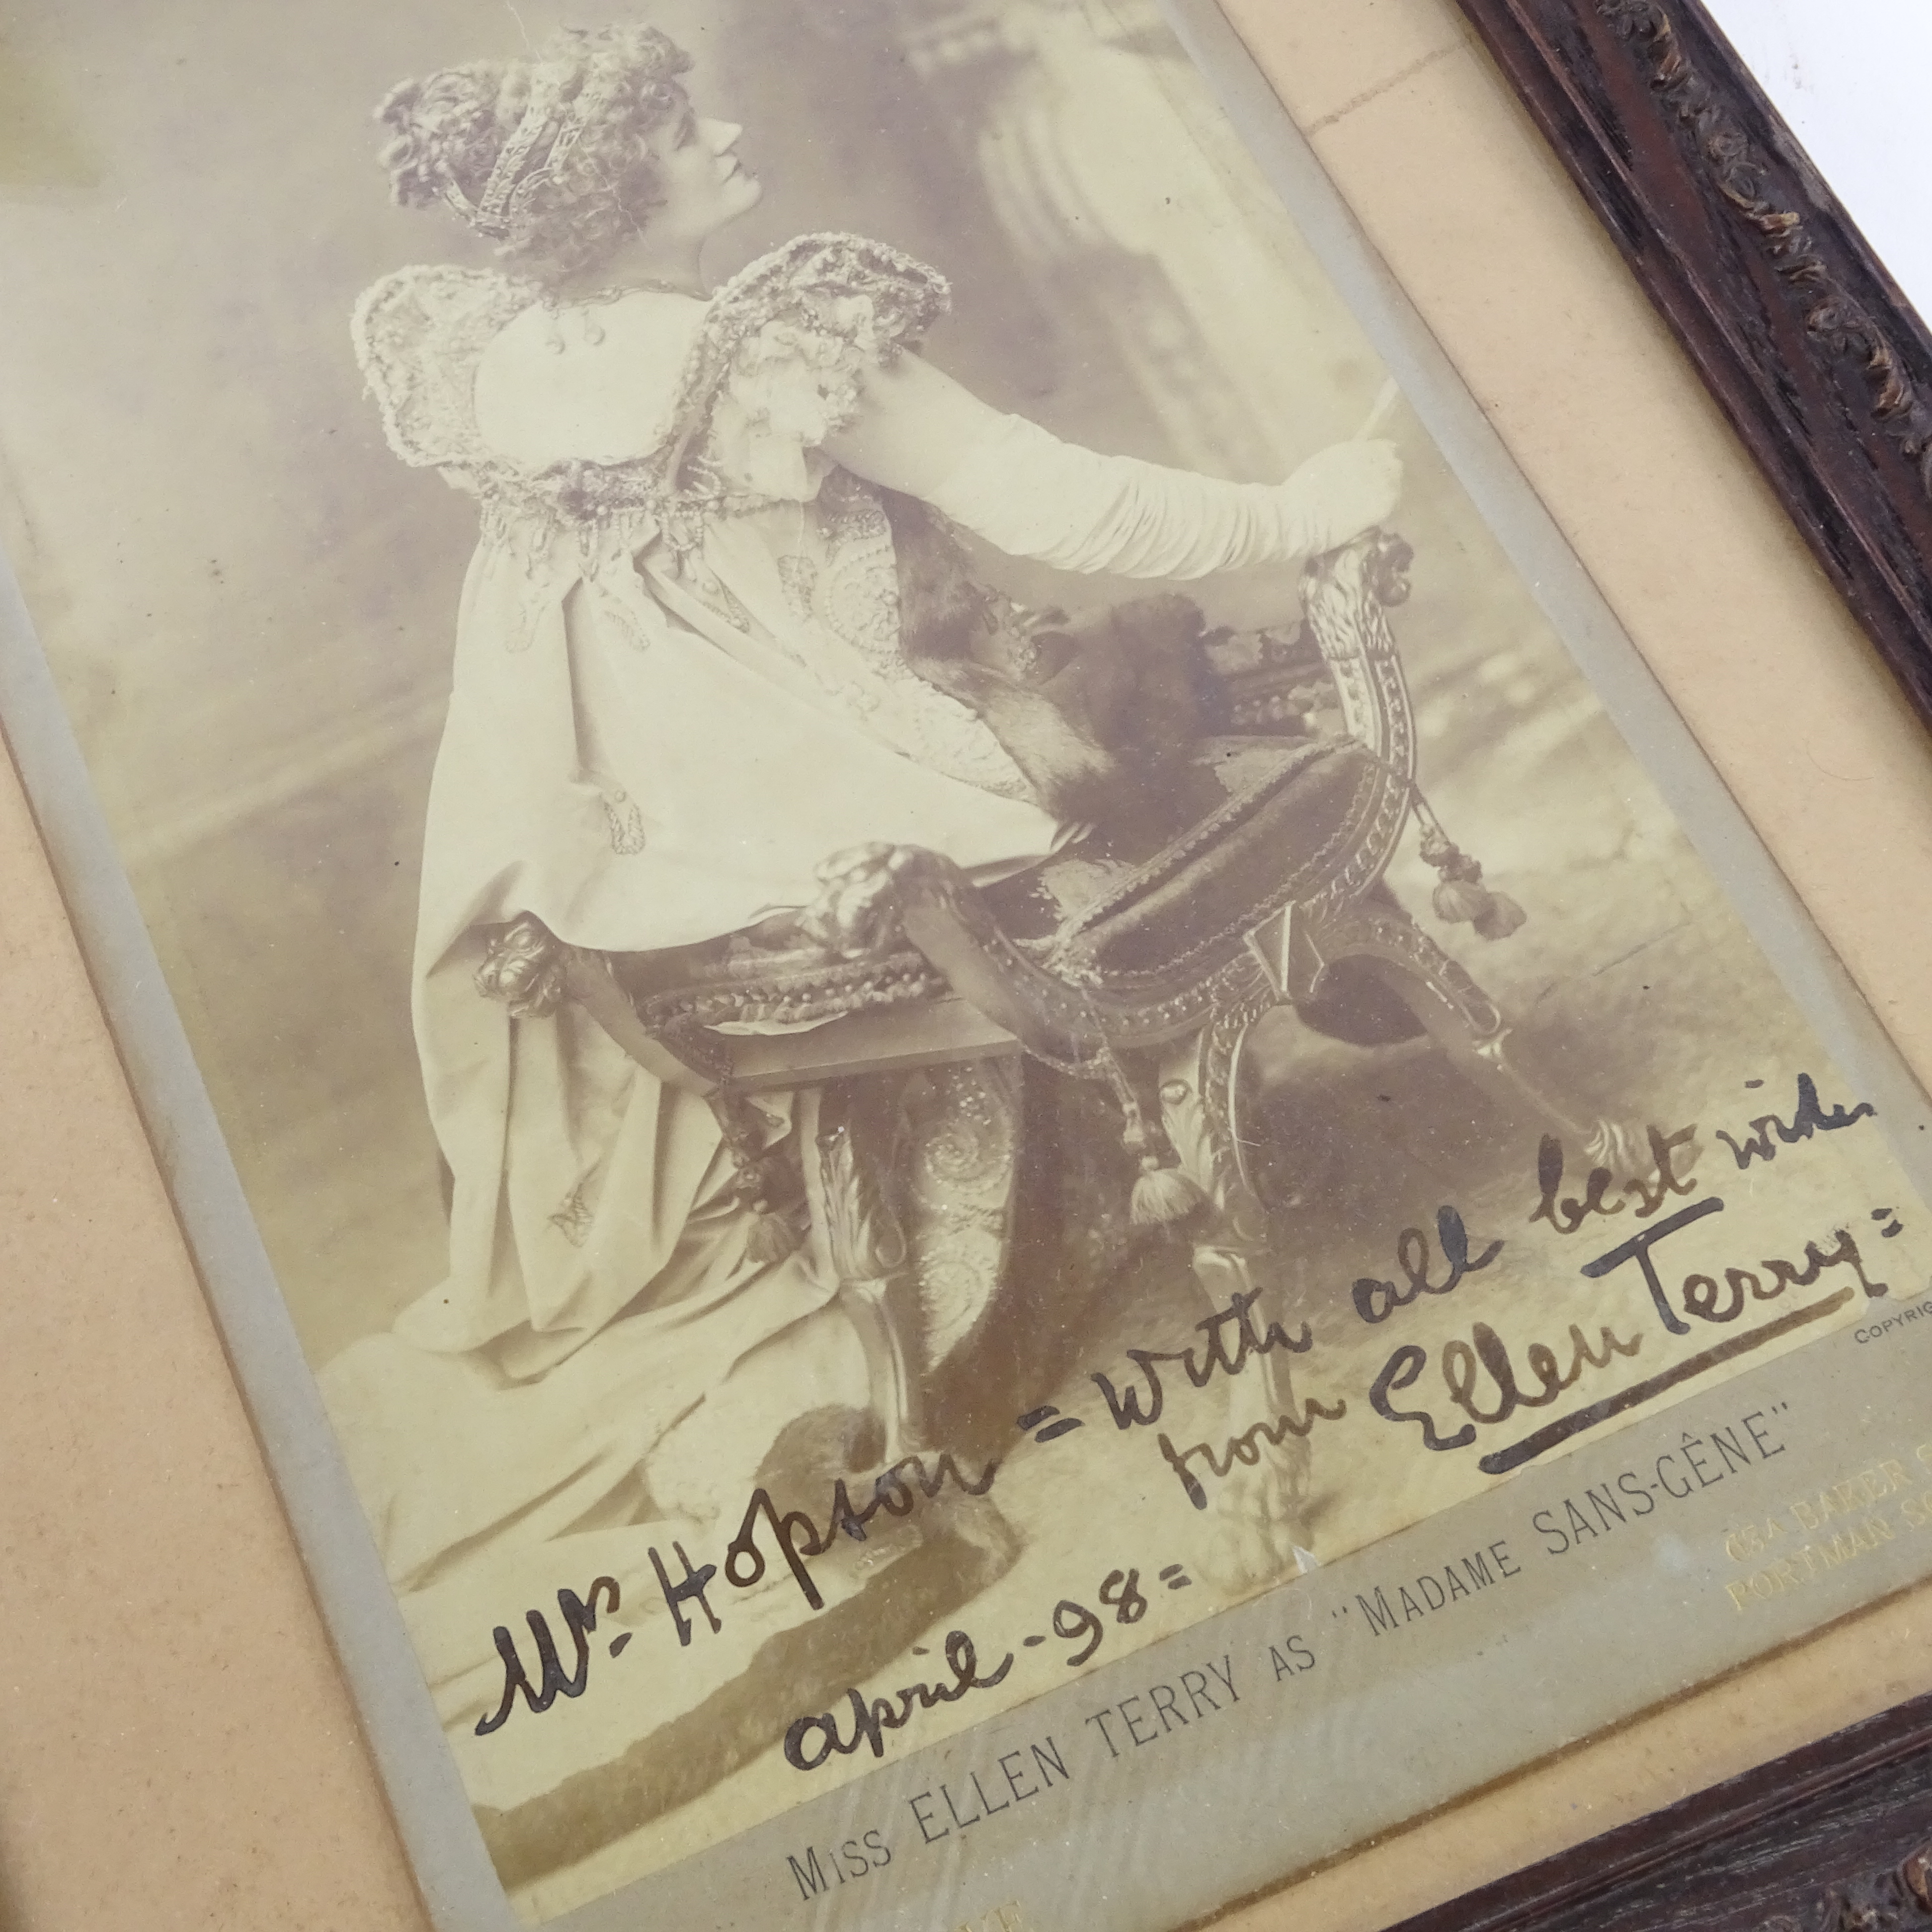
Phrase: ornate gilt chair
x=1145 y=975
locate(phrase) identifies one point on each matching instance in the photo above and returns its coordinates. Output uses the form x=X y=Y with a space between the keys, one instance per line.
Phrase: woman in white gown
x=678 y=687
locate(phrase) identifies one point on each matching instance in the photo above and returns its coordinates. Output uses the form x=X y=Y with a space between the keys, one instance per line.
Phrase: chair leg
x=860 y=1235
x=1467 y=1023
x=1261 y=1505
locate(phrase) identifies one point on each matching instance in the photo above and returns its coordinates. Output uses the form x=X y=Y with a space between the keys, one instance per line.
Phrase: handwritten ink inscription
x=1073 y=1622
x=897 y=1491
x=1460 y=1361
x=579 y=1615
x=1140 y=1408
x=813 y=1741
x=1451 y=1393
x=1479 y=1377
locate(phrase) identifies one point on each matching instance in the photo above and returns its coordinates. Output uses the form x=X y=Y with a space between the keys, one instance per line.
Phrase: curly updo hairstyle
x=548 y=156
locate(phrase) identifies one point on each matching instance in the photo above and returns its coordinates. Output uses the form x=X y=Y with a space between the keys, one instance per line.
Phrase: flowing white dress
x=678 y=689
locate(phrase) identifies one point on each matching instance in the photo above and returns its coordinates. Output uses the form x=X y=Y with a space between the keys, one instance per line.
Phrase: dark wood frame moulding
x=1825 y=370
x=1808 y=344
x=1835 y=1837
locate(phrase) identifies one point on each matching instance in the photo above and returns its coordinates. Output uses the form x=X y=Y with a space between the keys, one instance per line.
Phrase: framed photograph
x=1049 y=1147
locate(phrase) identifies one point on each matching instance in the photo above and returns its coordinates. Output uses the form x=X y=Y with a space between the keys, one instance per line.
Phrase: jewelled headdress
x=578 y=79
x=518 y=172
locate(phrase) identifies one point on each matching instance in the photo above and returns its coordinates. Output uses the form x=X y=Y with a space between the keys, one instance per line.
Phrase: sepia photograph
x=921 y=963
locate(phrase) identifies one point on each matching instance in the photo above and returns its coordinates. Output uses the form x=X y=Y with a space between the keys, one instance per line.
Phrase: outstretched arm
x=1030 y=494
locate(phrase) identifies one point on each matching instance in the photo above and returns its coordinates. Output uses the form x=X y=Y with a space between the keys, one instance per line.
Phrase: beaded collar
x=420 y=332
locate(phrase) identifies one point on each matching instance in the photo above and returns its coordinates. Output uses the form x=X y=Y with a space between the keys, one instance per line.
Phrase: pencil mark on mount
x=1807 y=1118
x=1382 y=87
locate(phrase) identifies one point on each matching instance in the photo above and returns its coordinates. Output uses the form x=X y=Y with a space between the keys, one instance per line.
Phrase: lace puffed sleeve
x=785 y=350
x=418 y=334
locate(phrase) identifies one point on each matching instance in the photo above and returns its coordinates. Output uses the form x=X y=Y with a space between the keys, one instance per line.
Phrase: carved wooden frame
x=1835 y=1837
x=1825 y=370
x=1803 y=336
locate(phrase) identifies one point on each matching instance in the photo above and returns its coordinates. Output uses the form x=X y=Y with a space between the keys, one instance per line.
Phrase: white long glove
x=1031 y=495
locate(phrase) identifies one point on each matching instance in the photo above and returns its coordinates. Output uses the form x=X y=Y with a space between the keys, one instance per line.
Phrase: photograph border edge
x=256 y=1333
